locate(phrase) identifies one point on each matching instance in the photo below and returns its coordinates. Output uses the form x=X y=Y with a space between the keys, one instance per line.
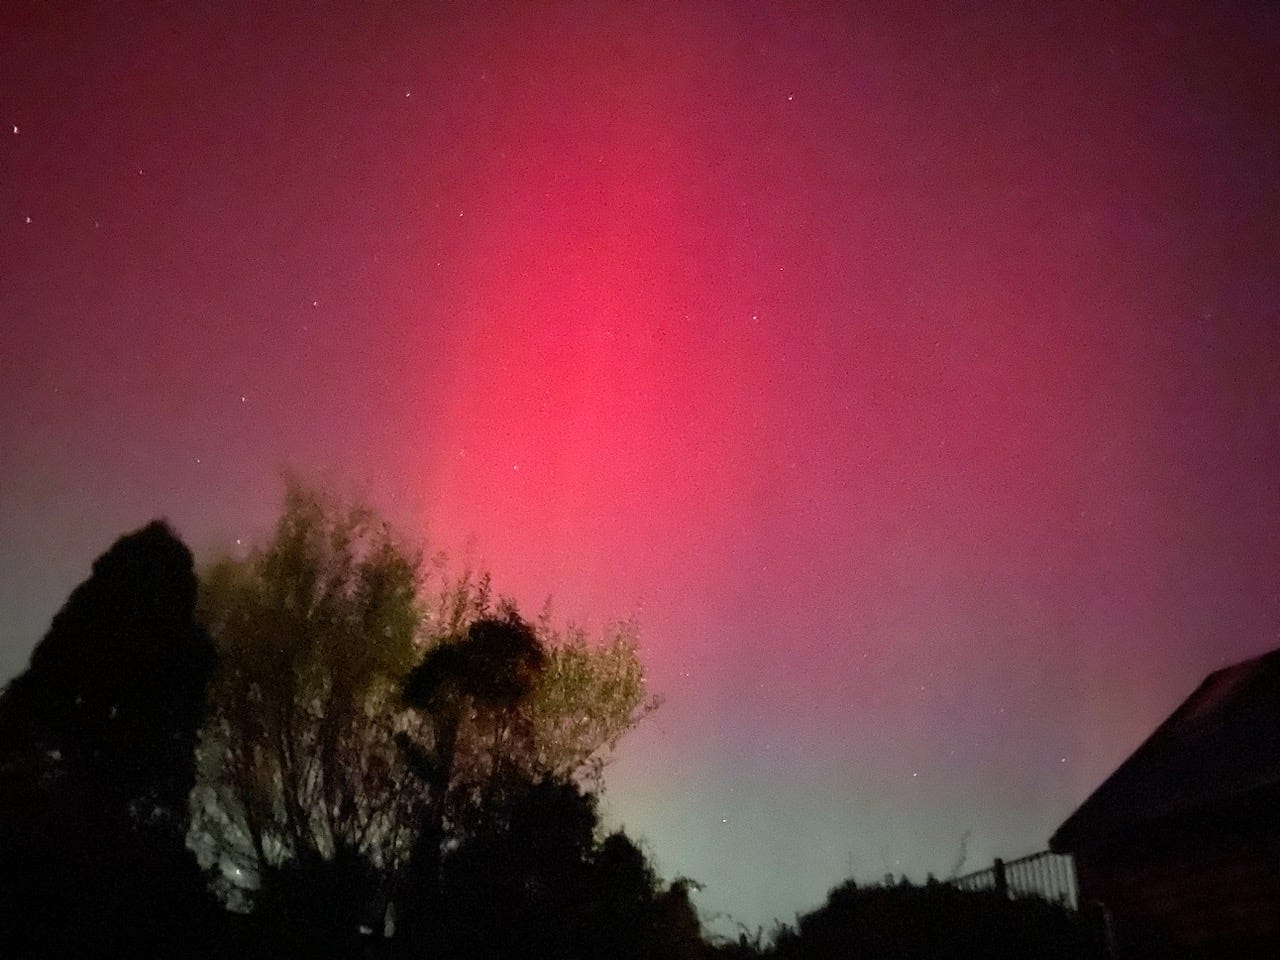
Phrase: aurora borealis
x=911 y=372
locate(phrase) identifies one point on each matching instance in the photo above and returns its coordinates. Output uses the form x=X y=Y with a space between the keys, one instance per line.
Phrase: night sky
x=913 y=373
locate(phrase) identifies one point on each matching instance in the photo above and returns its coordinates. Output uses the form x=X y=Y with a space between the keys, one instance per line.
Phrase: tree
x=470 y=694
x=537 y=880
x=315 y=633
x=586 y=698
x=314 y=762
x=97 y=759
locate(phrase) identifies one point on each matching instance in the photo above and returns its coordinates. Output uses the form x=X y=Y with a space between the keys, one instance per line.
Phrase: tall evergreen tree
x=97 y=761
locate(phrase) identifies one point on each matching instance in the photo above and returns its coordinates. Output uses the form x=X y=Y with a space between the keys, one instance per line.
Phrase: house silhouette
x=1180 y=847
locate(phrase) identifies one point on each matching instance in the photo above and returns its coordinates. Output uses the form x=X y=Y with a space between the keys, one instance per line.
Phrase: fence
x=1048 y=875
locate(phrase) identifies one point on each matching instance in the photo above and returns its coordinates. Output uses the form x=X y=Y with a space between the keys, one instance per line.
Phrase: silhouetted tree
x=506 y=863
x=353 y=729
x=299 y=768
x=97 y=760
x=314 y=764
x=536 y=882
x=473 y=741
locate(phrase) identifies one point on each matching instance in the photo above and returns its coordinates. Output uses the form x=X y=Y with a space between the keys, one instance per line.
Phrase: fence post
x=1002 y=883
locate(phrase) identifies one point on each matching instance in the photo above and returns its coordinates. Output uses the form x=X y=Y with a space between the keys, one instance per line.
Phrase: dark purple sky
x=914 y=373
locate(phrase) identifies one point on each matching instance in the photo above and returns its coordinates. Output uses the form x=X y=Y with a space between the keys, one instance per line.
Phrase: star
x=15 y=129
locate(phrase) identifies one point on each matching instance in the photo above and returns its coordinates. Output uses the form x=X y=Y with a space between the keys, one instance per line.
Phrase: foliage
x=369 y=706
x=97 y=745
x=587 y=697
x=933 y=922
x=496 y=706
x=537 y=881
x=378 y=740
x=314 y=633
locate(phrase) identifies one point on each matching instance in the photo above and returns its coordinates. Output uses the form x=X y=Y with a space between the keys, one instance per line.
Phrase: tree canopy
x=315 y=632
x=369 y=706
x=97 y=759
x=368 y=756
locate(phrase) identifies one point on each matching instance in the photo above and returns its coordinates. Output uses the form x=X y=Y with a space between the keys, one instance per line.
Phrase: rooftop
x=1222 y=742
